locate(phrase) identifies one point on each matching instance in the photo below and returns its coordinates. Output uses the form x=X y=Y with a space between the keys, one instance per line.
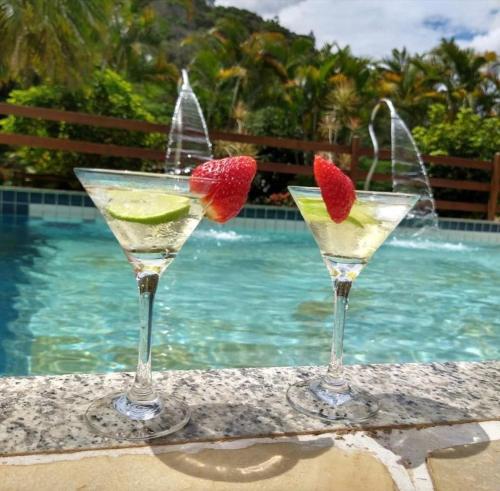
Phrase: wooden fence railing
x=489 y=207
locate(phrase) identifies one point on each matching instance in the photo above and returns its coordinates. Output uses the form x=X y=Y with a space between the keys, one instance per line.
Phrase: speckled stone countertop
x=45 y=414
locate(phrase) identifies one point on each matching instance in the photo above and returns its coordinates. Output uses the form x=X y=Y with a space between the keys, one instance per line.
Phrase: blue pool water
x=237 y=298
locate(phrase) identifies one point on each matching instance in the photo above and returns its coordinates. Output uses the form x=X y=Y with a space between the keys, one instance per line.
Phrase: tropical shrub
x=467 y=135
x=106 y=94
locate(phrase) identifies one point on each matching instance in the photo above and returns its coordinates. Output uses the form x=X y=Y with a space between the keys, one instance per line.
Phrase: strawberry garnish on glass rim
x=337 y=189
x=228 y=193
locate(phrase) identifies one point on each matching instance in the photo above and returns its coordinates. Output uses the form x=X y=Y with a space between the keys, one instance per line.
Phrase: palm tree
x=464 y=76
x=266 y=58
x=336 y=86
x=410 y=82
x=218 y=69
x=55 y=40
x=137 y=45
x=310 y=82
x=343 y=103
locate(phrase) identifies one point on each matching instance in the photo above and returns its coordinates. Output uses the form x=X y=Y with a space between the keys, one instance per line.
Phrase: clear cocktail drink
x=151 y=242
x=346 y=248
x=151 y=216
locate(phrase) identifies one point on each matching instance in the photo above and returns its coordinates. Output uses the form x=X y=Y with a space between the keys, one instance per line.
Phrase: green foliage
x=271 y=121
x=248 y=73
x=107 y=94
x=467 y=135
x=275 y=122
x=51 y=40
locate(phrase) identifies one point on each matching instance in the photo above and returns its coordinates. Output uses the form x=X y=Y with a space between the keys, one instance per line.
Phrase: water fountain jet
x=408 y=170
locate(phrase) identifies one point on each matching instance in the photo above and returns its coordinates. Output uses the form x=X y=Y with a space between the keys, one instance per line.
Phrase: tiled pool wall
x=19 y=204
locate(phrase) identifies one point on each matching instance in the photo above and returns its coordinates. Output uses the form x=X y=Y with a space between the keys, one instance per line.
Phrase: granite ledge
x=45 y=414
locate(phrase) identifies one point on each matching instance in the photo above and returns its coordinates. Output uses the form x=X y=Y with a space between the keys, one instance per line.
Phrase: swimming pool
x=237 y=298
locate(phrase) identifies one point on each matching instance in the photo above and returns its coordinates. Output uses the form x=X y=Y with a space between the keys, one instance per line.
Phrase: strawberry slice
x=337 y=189
x=227 y=195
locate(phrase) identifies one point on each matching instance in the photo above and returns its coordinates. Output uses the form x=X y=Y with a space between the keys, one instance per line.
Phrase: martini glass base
x=160 y=419
x=347 y=406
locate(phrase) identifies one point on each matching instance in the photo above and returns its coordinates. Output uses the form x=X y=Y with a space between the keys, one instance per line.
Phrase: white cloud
x=265 y=8
x=490 y=40
x=374 y=27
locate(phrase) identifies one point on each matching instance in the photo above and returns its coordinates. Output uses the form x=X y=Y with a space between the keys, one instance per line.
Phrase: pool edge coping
x=46 y=411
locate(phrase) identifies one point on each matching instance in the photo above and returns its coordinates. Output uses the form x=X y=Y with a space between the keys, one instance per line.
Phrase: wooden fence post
x=494 y=185
x=354 y=159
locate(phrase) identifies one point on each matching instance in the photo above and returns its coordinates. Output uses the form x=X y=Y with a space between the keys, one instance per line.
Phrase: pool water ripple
x=237 y=298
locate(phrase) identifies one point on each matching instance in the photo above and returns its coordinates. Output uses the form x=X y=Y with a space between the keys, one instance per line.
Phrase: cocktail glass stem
x=334 y=375
x=141 y=390
x=330 y=396
x=141 y=402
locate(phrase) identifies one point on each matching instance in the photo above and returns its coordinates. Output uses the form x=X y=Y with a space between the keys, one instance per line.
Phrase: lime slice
x=314 y=209
x=361 y=215
x=145 y=207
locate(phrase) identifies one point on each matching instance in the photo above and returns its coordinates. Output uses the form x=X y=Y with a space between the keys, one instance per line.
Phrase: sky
x=374 y=27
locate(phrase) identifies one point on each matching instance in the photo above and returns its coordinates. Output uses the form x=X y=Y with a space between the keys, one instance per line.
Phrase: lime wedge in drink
x=361 y=215
x=314 y=209
x=149 y=208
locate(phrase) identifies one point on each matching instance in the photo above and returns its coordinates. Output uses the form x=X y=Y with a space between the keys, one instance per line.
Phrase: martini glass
x=151 y=216
x=346 y=248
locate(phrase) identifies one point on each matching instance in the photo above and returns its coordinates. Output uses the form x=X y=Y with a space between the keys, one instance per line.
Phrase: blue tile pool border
x=15 y=195
x=17 y=201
